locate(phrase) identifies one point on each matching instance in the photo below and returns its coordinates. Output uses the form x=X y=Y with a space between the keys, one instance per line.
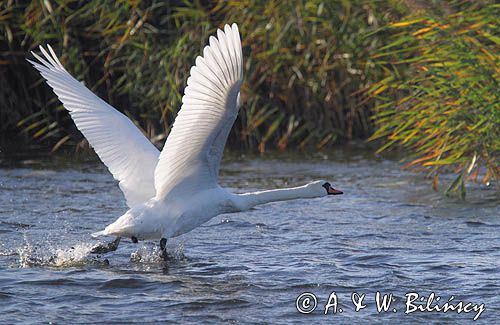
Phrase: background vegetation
x=440 y=98
x=315 y=72
x=305 y=61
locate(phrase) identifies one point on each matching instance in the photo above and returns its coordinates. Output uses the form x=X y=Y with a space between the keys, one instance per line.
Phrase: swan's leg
x=105 y=248
x=134 y=239
x=163 y=249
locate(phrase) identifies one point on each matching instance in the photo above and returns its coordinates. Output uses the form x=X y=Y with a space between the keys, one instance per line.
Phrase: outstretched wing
x=192 y=153
x=127 y=153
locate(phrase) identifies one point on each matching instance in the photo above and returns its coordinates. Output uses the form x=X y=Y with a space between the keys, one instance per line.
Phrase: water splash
x=76 y=256
x=46 y=254
x=146 y=254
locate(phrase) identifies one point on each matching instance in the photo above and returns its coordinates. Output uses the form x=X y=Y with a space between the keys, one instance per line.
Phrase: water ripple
x=387 y=233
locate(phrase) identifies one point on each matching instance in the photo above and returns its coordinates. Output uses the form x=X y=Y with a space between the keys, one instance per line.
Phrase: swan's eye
x=326 y=186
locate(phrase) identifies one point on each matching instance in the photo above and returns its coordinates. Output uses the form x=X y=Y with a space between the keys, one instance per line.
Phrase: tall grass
x=305 y=62
x=440 y=96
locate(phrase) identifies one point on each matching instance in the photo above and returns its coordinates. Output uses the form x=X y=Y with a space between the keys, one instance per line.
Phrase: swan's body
x=171 y=218
x=156 y=219
x=175 y=191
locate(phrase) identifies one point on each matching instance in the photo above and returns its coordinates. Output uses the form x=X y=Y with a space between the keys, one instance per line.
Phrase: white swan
x=175 y=191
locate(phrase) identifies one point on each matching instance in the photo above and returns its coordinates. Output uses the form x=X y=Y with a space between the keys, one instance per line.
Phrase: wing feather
x=192 y=153
x=121 y=146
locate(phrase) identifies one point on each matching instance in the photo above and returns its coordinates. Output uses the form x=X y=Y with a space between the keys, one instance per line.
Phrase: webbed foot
x=105 y=248
x=163 y=249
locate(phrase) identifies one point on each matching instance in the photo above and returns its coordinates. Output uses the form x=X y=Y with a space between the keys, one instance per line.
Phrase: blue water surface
x=389 y=233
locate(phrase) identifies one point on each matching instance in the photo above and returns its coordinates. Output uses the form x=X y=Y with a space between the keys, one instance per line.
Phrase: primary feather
x=191 y=156
x=121 y=146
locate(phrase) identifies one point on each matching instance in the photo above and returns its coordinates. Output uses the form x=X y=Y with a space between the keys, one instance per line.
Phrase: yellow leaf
x=379 y=90
x=405 y=23
x=422 y=31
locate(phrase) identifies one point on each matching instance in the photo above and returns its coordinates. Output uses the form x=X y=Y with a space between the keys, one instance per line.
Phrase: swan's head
x=322 y=188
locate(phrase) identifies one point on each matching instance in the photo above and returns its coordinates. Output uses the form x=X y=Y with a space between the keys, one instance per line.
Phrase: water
x=388 y=233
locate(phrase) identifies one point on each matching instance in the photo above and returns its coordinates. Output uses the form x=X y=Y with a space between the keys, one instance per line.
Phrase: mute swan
x=172 y=192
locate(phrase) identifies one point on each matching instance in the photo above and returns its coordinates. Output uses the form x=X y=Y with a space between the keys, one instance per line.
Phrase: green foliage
x=439 y=98
x=305 y=62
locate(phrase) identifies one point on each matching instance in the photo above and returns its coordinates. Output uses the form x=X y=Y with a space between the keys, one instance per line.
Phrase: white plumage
x=209 y=109
x=127 y=153
x=173 y=192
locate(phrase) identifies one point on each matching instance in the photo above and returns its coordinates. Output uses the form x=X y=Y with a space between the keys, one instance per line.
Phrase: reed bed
x=304 y=63
x=439 y=99
x=417 y=75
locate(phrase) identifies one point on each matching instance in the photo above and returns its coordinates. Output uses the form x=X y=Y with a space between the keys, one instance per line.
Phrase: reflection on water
x=389 y=232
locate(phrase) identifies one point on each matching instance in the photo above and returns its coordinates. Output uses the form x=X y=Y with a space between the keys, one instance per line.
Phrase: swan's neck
x=248 y=200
